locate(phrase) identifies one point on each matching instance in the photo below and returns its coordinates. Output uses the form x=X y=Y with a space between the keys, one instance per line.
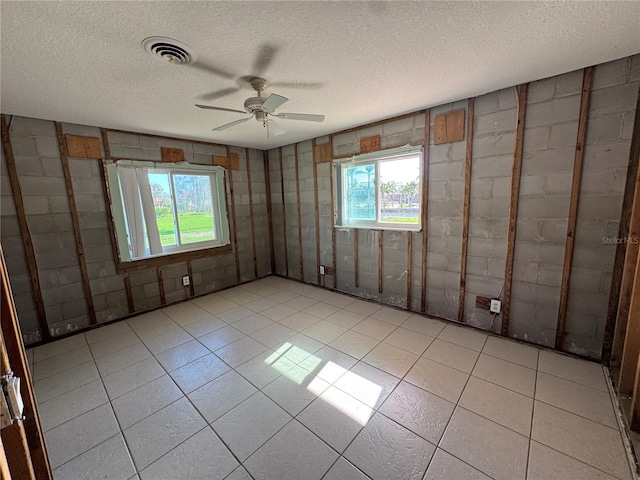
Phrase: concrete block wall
x=277 y=213
x=291 y=210
x=444 y=228
x=611 y=115
x=550 y=134
x=13 y=250
x=38 y=164
x=494 y=121
x=44 y=192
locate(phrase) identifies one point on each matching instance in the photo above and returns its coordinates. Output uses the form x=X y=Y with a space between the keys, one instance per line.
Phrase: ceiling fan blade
x=273 y=101
x=265 y=57
x=207 y=107
x=274 y=128
x=218 y=94
x=301 y=116
x=229 y=125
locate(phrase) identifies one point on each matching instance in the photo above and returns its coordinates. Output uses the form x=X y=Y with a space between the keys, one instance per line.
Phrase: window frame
x=123 y=254
x=375 y=158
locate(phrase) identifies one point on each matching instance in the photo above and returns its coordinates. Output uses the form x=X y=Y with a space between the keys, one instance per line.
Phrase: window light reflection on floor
x=353 y=395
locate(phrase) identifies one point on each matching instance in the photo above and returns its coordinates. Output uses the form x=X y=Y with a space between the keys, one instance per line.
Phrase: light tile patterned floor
x=279 y=380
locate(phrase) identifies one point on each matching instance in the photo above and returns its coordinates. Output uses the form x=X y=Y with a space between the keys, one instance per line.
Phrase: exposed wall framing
x=253 y=227
x=466 y=201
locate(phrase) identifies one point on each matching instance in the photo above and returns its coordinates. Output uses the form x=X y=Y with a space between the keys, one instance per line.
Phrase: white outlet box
x=185 y=281
x=496 y=305
x=321 y=269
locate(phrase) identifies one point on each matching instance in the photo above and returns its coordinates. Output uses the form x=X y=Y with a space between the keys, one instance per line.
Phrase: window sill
x=390 y=228
x=161 y=260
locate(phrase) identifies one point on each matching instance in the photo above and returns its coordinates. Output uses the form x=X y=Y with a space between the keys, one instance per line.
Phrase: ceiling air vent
x=168 y=49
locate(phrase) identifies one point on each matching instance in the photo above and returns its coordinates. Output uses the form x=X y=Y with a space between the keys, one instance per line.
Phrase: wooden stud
x=614 y=331
x=409 y=267
x=25 y=233
x=83 y=147
x=465 y=208
x=192 y=290
x=220 y=161
x=284 y=215
x=14 y=358
x=333 y=221
x=316 y=209
x=82 y=260
x=172 y=155
x=127 y=287
x=267 y=179
x=107 y=196
x=300 y=245
x=425 y=208
x=253 y=227
x=380 y=259
x=587 y=78
x=233 y=215
x=356 y=260
x=628 y=325
x=370 y=144
x=513 y=206
x=163 y=298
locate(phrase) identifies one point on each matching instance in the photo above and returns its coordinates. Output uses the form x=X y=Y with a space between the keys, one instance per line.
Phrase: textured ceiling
x=354 y=62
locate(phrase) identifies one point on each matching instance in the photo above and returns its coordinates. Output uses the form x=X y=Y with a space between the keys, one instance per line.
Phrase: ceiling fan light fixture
x=168 y=49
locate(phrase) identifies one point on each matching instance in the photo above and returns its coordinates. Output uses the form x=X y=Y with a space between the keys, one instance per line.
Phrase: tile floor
x=279 y=380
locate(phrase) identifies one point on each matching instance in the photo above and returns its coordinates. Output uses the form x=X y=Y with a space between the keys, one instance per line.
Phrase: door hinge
x=11 y=404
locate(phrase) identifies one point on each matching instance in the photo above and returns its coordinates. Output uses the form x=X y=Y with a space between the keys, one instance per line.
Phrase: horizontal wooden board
x=220 y=161
x=322 y=153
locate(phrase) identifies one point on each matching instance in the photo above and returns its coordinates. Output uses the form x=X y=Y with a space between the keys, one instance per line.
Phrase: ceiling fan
x=262 y=108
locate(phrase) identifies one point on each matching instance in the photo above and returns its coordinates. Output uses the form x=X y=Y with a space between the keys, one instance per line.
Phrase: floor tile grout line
x=533 y=411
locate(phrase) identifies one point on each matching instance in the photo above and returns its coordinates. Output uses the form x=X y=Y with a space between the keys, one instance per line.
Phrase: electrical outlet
x=185 y=281
x=321 y=269
x=496 y=305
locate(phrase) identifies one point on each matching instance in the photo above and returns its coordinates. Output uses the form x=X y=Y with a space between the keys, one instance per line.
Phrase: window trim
x=118 y=223
x=375 y=158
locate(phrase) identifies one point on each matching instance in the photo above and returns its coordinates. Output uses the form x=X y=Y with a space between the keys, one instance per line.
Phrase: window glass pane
x=161 y=194
x=194 y=207
x=400 y=190
x=360 y=192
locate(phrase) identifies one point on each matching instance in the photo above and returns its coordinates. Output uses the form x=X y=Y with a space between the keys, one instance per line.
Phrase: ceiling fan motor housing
x=254 y=104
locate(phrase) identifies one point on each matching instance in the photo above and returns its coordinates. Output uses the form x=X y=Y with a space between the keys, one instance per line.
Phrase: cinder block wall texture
x=302 y=210
x=549 y=149
x=48 y=216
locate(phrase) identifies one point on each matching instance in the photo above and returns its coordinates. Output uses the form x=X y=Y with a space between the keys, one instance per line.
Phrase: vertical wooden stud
x=253 y=228
x=300 y=246
x=82 y=260
x=587 y=77
x=513 y=206
x=465 y=210
x=425 y=209
x=316 y=210
x=333 y=220
x=356 y=260
x=380 y=260
x=163 y=298
x=284 y=215
x=634 y=313
x=192 y=288
x=233 y=215
x=127 y=287
x=25 y=232
x=409 y=267
x=267 y=179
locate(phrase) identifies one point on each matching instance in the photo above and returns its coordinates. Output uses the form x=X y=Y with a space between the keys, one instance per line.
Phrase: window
x=161 y=209
x=380 y=190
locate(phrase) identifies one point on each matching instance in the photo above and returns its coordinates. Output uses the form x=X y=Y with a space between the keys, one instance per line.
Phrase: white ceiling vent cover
x=169 y=50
